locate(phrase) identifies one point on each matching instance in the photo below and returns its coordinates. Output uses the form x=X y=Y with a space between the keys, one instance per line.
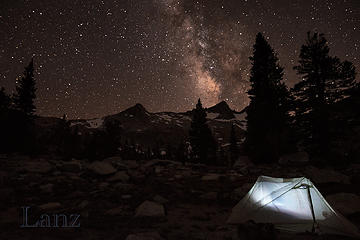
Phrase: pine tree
x=267 y=113
x=113 y=132
x=25 y=91
x=234 y=151
x=202 y=142
x=180 y=152
x=5 y=123
x=62 y=135
x=344 y=81
x=325 y=80
x=4 y=100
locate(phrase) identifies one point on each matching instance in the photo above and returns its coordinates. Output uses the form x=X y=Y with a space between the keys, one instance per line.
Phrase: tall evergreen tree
x=202 y=142
x=343 y=81
x=62 y=136
x=25 y=91
x=5 y=121
x=180 y=152
x=267 y=113
x=4 y=100
x=325 y=80
x=234 y=150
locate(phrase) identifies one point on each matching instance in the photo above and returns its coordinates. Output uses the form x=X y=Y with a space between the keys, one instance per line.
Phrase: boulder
x=242 y=162
x=160 y=199
x=354 y=169
x=72 y=166
x=201 y=216
x=38 y=167
x=150 y=209
x=144 y=236
x=159 y=170
x=211 y=177
x=10 y=215
x=131 y=164
x=294 y=158
x=5 y=193
x=209 y=196
x=116 y=162
x=197 y=166
x=325 y=176
x=345 y=203
x=83 y=204
x=103 y=185
x=3 y=177
x=222 y=232
x=178 y=176
x=233 y=175
x=113 y=159
x=126 y=196
x=102 y=168
x=119 y=177
x=186 y=173
x=137 y=176
x=124 y=187
x=157 y=162
x=20 y=158
x=196 y=235
x=50 y=206
x=48 y=188
x=115 y=211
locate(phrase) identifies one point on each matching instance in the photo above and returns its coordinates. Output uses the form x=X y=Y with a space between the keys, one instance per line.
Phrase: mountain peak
x=223 y=109
x=137 y=109
x=140 y=107
x=221 y=106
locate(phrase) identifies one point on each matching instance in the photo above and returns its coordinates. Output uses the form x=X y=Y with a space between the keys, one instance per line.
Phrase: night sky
x=94 y=58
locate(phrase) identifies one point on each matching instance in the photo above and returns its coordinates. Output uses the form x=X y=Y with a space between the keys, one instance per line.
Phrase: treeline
x=319 y=115
x=109 y=140
x=17 y=115
x=282 y=120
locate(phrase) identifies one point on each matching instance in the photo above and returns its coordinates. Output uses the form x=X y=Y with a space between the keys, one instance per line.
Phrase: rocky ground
x=158 y=199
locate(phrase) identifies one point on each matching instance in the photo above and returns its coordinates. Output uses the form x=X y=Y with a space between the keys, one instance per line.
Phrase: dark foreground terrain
x=157 y=199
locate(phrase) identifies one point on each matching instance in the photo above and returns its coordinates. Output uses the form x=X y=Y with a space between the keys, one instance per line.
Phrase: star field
x=94 y=58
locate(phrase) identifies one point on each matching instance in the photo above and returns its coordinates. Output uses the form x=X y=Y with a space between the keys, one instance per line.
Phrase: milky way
x=95 y=58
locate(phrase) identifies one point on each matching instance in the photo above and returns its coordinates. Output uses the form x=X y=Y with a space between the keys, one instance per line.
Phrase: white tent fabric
x=292 y=204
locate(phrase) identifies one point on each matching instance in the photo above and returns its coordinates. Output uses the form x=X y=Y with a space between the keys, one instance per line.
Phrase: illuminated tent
x=291 y=204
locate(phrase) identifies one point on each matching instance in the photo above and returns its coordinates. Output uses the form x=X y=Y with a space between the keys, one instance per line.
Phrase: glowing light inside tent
x=271 y=197
x=287 y=204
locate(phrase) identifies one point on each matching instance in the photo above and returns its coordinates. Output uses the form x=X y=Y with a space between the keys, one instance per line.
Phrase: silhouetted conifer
x=267 y=113
x=325 y=80
x=180 y=152
x=5 y=121
x=234 y=150
x=201 y=139
x=25 y=91
x=5 y=101
x=113 y=131
x=62 y=135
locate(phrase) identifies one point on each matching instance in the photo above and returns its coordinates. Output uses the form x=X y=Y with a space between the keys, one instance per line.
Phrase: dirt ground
x=196 y=200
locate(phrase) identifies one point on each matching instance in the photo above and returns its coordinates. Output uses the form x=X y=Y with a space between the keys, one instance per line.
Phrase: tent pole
x=312 y=209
